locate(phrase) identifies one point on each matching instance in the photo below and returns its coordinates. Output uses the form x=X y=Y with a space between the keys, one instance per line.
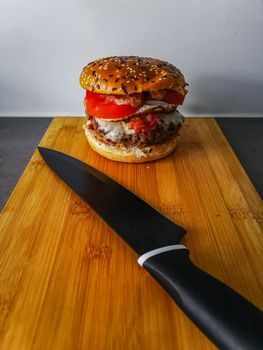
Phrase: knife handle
x=228 y=319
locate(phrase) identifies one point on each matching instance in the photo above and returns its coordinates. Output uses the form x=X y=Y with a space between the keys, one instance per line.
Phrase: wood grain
x=67 y=281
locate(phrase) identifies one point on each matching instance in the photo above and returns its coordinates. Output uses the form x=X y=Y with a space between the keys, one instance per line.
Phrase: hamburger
x=131 y=106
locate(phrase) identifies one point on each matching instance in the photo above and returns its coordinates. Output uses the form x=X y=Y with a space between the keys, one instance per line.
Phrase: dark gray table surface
x=20 y=136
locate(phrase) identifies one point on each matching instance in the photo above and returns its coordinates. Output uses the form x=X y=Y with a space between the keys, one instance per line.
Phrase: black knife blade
x=228 y=319
x=135 y=221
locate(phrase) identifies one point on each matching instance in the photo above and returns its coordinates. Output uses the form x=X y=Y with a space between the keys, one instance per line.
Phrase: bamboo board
x=67 y=281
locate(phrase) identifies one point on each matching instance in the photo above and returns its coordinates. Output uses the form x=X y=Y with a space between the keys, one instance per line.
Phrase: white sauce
x=174 y=117
x=152 y=103
x=114 y=130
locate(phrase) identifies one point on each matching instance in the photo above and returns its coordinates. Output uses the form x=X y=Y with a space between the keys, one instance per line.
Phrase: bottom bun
x=131 y=154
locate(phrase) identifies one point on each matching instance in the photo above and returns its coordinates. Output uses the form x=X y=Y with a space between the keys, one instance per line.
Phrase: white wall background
x=218 y=44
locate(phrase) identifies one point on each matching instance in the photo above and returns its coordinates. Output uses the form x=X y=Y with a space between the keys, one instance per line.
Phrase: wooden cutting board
x=67 y=281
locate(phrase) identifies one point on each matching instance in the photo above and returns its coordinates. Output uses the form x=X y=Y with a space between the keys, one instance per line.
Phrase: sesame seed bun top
x=121 y=75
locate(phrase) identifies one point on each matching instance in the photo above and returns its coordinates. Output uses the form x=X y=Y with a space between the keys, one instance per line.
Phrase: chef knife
x=228 y=319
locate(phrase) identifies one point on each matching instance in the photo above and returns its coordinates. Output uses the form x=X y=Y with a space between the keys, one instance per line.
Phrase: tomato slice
x=107 y=107
x=173 y=97
x=144 y=124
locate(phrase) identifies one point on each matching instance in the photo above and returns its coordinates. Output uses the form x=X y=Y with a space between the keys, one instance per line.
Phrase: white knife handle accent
x=157 y=251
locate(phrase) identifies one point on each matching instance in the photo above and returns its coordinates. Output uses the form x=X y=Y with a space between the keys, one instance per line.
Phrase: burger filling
x=132 y=120
x=141 y=130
